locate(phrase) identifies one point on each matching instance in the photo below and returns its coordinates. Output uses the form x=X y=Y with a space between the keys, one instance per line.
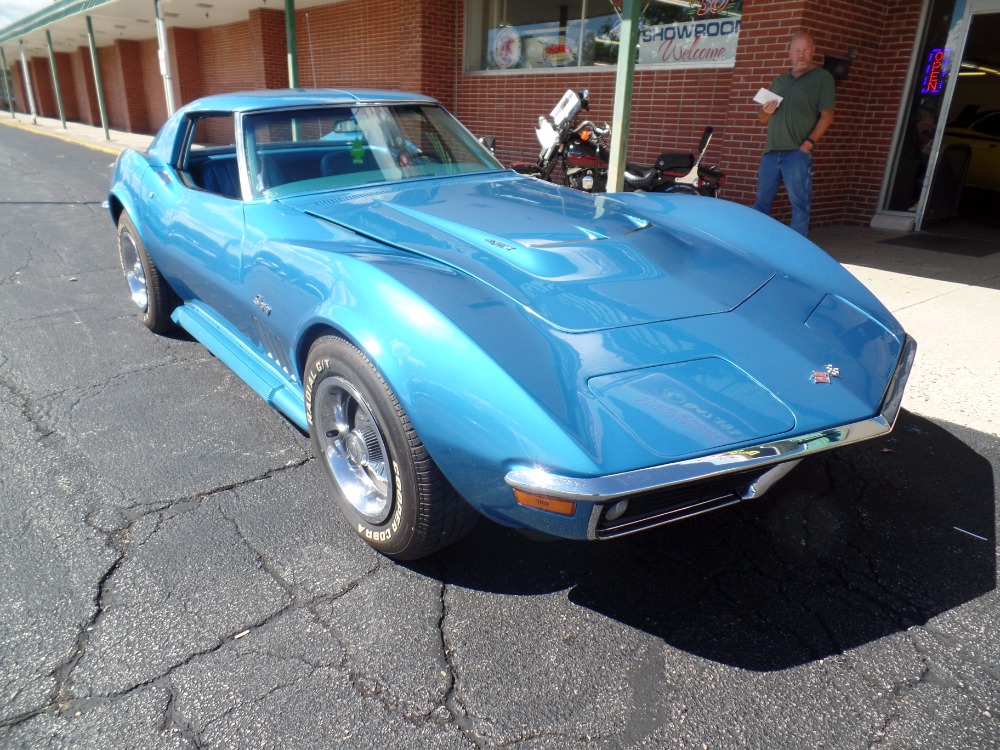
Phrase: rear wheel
x=149 y=291
x=384 y=481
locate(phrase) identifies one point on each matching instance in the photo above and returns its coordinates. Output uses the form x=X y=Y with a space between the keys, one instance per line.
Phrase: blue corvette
x=459 y=339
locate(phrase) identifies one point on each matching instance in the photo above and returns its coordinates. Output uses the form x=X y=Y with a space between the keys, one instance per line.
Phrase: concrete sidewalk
x=116 y=142
x=948 y=301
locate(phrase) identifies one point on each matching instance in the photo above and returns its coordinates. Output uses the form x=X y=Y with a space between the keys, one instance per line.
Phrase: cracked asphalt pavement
x=174 y=574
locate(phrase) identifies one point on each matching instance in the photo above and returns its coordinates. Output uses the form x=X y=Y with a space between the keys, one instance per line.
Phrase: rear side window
x=212 y=131
x=208 y=158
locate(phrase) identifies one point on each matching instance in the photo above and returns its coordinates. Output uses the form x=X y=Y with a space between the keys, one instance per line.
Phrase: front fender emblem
x=259 y=301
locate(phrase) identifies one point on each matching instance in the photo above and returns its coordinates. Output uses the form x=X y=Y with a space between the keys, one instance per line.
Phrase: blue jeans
x=795 y=168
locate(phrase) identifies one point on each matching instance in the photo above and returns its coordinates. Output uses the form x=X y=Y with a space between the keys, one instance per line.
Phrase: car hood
x=579 y=264
x=646 y=333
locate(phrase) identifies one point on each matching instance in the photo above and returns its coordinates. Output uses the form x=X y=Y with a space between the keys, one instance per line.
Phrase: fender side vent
x=272 y=347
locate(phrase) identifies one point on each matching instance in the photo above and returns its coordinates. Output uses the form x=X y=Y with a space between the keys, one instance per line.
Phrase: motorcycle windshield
x=547 y=135
x=566 y=109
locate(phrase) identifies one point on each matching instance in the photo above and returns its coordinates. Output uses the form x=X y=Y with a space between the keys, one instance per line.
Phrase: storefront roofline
x=127 y=19
x=48 y=15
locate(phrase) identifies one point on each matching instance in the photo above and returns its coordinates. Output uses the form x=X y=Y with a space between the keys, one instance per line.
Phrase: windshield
x=349 y=146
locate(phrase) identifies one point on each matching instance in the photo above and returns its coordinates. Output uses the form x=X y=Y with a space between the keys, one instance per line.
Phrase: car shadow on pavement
x=852 y=546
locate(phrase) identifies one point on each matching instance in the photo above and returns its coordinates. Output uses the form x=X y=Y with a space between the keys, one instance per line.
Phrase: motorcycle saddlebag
x=674 y=162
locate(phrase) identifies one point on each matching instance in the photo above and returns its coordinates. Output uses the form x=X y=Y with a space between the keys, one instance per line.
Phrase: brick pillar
x=185 y=61
x=126 y=78
x=269 y=49
x=67 y=85
x=41 y=81
x=86 y=89
x=17 y=89
x=429 y=48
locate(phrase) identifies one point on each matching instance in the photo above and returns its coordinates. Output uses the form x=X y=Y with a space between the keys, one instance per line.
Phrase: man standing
x=794 y=127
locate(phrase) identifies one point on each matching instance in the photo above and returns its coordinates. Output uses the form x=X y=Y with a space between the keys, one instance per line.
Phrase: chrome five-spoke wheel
x=135 y=275
x=354 y=449
x=148 y=289
x=387 y=486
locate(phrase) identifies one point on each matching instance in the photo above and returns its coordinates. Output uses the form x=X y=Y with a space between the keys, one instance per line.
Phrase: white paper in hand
x=764 y=96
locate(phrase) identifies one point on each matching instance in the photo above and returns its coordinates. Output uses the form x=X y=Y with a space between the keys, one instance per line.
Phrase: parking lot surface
x=174 y=574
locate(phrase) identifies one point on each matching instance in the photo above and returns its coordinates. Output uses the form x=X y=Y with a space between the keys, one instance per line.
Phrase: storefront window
x=523 y=35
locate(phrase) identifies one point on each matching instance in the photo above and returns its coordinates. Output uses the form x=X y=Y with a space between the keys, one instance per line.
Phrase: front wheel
x=384 y=482
x=149 y=290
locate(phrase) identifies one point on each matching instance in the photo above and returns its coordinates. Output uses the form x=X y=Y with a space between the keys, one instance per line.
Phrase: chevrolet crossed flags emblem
x=823 y=376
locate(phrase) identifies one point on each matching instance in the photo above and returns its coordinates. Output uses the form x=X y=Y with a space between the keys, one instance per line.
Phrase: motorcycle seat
x=639 y=177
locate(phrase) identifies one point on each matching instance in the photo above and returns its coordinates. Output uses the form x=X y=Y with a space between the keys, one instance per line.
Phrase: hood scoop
x=579 y=264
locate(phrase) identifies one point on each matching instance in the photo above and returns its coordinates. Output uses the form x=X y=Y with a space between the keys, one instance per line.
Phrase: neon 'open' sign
x=936 y=72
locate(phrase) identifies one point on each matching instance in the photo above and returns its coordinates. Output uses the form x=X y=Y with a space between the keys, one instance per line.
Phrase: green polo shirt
x=804 y=98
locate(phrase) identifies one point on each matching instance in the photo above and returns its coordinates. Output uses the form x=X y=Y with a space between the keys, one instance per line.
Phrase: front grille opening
x=670 y=504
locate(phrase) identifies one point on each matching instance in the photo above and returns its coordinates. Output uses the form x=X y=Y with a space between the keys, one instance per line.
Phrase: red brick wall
x=185 y=64
x=85 y=90
x=430 y=50
x=67 y=85
x=270 y=51
x=115 y=103
x=382 y=44
x=227 y=59
x=876 y=90
x=152 y=91
x=43 y=86
x=129 y=86
x=17 y=83
x=350 y=44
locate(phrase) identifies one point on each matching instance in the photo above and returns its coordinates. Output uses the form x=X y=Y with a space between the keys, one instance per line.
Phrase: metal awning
x=127 y=19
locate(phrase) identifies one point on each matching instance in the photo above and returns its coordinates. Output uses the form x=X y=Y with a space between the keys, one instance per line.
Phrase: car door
x=199 y=221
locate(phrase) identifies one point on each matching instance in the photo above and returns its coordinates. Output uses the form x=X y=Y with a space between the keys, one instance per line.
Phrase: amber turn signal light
x=549 y=504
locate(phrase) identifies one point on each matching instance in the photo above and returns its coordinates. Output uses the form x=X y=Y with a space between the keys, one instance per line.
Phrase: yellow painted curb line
x=109 y=149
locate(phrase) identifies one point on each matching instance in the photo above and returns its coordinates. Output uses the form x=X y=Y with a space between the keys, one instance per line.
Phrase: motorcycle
x=582 y=150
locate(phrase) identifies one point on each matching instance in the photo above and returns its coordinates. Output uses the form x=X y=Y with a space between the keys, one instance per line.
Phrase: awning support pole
x=164 y=54
x=621 y=116
x=25 y=73
x=55 y=78
x=6 y=83
x=293 y=53
x=96 y=63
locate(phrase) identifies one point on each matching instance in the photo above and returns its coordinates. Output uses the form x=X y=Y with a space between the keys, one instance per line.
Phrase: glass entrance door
x=954 y=70
x=925 y=95
x=965 y=189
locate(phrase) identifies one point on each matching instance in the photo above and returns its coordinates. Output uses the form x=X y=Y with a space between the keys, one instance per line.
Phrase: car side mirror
x=489 y=141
